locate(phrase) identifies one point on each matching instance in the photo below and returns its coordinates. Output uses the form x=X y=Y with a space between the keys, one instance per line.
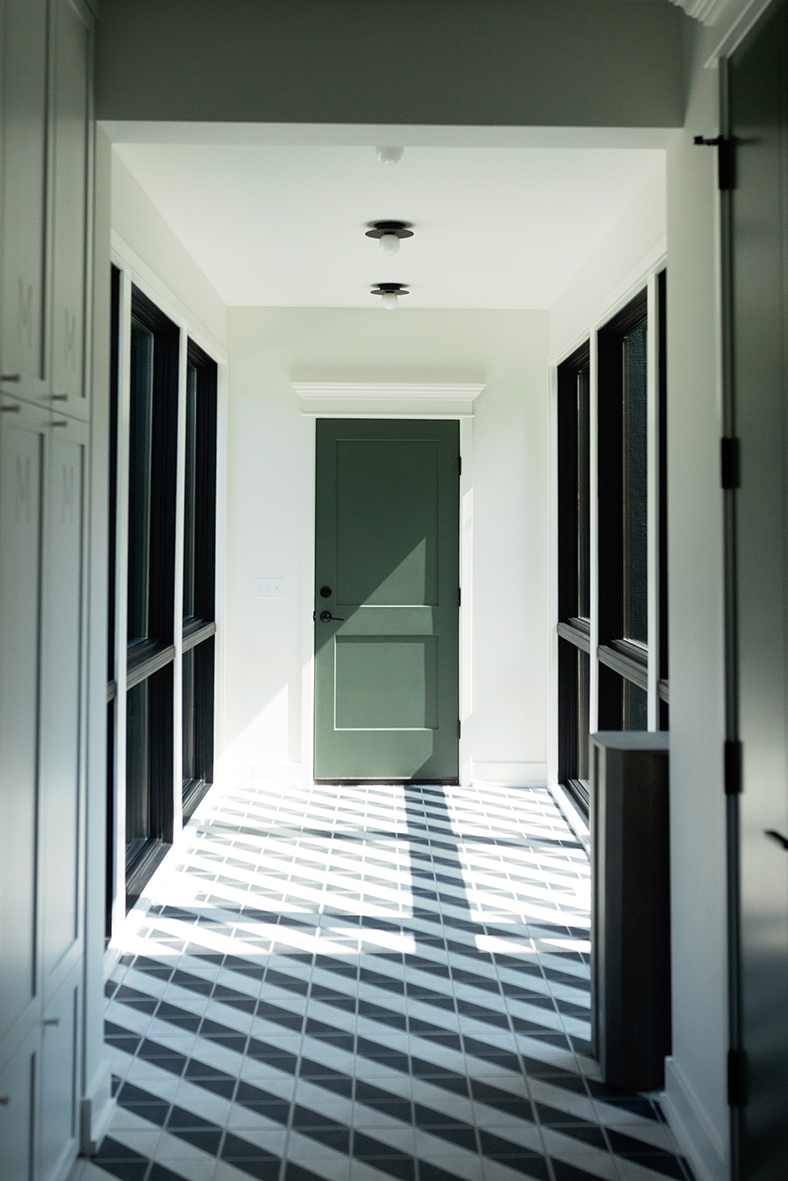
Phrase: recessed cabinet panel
x=22 y=436
x=70 y=130
x=59 y=1063
x=61 y=692
x=17 y=1103
x=23 y=189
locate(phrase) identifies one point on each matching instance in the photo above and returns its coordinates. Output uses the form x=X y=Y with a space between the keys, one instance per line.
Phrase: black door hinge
x=732 y=767
x=737 y=1078
x=459 y=596
x=729 y=462
x=459 y=465
x=726 y=161
x=459 y=729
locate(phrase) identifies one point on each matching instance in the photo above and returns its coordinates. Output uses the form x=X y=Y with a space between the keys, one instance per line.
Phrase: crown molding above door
x=705 y=11
x=407 y=399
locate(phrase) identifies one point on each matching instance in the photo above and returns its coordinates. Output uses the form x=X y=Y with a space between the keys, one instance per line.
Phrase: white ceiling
x=495 y=227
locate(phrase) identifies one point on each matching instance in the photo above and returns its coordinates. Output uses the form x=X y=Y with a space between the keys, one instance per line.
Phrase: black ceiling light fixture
x=389 y=233
x=390 y=293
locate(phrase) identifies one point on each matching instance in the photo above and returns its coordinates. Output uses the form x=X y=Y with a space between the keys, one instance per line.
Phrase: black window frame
x=618 y=666
x=662 y=460
x=150 y=657
x=198 y=657
x=574 y=557
x=163 y=480
x=624 y=660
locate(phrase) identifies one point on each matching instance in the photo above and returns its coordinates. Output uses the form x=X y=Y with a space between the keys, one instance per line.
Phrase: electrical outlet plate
x=268 y=588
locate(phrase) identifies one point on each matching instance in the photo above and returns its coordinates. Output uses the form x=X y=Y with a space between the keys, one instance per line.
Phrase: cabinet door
x=23 y=432
x=23 y=191
x=61 y=721
x=17 y=1107
x=71 y=126
x=58 y=1123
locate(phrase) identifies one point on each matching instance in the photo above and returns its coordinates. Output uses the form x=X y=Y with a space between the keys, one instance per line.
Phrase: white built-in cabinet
x=45 y=224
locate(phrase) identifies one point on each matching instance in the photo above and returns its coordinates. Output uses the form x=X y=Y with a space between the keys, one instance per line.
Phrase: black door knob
x=326 y=617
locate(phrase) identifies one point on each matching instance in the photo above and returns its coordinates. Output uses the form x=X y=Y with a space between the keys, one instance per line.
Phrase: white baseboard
x=96 y=1111
x=698 y=1139
x=511 y=774
x=261 y=773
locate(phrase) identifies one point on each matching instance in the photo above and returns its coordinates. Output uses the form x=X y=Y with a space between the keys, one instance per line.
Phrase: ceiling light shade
x=389 y=233
x=389 y=243
x=389 y=293
x=389 y=155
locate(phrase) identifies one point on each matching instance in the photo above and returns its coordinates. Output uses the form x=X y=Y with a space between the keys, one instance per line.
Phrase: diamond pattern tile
x=367 y=982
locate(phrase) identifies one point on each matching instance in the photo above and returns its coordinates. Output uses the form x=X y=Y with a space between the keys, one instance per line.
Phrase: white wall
x=143 y=235
x=269 y=512
x=617 y=262
x=696 y=1077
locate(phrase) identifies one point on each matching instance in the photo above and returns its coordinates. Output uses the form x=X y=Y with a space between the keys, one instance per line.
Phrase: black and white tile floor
x=367 y=983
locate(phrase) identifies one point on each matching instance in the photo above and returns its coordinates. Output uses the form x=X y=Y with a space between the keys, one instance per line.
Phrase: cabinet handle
x=10 y=409
x=11 y=377
x=60 y=422
x=51 y=1021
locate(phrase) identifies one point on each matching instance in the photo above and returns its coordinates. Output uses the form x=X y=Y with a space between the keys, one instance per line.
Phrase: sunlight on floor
x=361 y=983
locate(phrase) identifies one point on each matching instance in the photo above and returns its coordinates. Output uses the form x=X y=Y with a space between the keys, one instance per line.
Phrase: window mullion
x=652 y=499
x=118 y=906
x=177 y=603
x=593 y=425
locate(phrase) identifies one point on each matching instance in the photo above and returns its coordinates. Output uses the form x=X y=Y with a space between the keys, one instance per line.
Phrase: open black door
x=758 y=90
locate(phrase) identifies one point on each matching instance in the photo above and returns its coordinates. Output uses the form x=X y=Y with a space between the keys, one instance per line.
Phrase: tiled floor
x=366 y=983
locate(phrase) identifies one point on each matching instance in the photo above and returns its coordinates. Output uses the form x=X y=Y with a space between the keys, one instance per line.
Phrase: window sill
x=577 y=632
x=629 y=666
x=195 y=631
x=146 y=661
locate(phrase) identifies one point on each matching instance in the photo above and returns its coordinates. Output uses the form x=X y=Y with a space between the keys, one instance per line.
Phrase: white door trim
x=369 y=406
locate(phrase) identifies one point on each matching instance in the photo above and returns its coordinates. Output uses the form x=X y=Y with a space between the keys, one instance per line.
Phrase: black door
x=759 y=305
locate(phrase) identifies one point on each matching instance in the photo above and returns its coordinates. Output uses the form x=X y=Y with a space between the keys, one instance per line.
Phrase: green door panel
x=387 y=550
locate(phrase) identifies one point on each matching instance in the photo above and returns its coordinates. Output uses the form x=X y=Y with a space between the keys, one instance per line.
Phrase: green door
x=387 y=600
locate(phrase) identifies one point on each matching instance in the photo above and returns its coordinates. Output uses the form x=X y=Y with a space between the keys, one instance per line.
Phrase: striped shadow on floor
x=362 y=983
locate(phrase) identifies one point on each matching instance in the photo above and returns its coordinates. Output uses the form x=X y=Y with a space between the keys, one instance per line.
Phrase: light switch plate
x=268 y=588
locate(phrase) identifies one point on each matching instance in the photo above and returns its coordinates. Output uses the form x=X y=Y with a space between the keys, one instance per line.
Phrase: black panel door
x=759 y=237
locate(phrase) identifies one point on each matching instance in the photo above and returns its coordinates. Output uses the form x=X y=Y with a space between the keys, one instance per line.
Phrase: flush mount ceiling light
x=389 y=155
x=390 y=292
x=389 y=233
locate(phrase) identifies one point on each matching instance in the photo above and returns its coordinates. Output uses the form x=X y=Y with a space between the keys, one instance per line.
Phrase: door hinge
x=726 y=161
x=737 y=1078
x=459 y=596
x=732 y=761
x=729 y=462
x=459 y=465
x=459 y=729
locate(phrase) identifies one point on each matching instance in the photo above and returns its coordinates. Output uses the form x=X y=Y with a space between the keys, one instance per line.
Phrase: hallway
x=367 y=982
